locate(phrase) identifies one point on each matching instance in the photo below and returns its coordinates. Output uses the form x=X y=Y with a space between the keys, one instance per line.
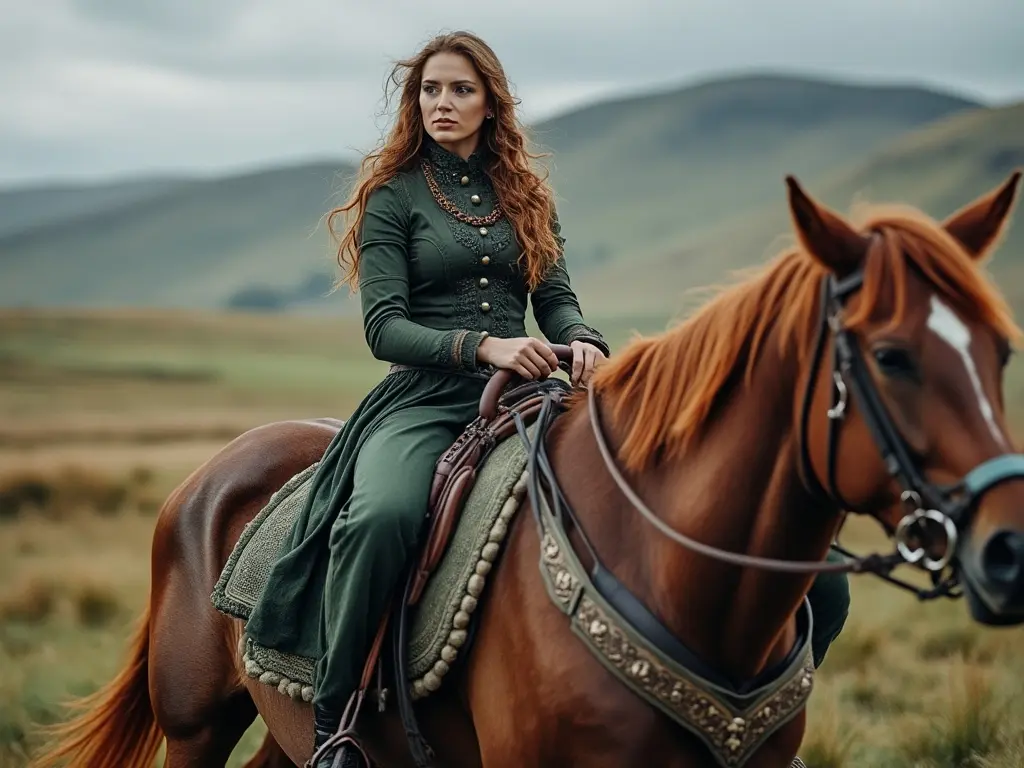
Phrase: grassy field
x=100 y=415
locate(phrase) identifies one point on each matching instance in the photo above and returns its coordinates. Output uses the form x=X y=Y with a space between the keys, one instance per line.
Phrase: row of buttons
x=485 y=260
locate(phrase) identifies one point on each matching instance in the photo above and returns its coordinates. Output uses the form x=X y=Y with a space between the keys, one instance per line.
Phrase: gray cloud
x=102 y=87
x=160 y=16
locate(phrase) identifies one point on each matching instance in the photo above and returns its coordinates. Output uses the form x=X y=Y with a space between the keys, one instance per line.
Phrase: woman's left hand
x=585 y=358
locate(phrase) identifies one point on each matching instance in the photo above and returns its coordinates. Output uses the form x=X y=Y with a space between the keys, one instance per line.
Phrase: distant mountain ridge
x=24 y=208
x=637 y=179
x=195 y=245
x=938 y=168
x=671 y=164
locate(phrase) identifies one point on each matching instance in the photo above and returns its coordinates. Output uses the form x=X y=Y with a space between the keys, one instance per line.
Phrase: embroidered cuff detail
x=464 y=345
x=470 y=344
x=589 y=335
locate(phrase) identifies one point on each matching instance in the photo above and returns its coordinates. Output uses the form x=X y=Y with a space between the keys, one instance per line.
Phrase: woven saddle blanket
x=439 y=621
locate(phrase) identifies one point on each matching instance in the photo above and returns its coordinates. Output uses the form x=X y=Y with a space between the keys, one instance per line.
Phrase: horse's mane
x=670 y=383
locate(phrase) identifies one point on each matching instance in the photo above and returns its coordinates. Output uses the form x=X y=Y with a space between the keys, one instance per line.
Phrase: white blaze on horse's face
x=945 y=324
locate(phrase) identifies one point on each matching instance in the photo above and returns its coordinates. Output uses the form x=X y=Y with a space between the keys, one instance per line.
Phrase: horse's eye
x=897 y=362
x=1006 y=354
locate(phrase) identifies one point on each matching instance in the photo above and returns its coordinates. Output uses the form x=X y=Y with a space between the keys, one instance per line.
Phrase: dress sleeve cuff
x=464 y=347
x=589 y=335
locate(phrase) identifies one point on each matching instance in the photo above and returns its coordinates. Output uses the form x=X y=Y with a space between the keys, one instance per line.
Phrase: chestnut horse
x=859 y=371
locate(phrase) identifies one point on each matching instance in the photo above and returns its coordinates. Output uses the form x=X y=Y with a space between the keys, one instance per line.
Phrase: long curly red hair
x=524 y=194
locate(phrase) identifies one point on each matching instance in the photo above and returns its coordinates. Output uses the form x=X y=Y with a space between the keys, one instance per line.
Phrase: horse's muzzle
x=994 y=579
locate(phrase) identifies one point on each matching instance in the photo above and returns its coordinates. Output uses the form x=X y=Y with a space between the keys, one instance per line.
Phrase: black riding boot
x=325 y=725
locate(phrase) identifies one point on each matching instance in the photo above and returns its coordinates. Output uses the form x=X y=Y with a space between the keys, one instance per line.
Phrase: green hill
x=942 y=168
x=196 y=245
x=634 y=176
x=938 y=168
x=26 y=208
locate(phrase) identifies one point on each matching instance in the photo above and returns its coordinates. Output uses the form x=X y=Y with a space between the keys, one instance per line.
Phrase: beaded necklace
x=446 y=204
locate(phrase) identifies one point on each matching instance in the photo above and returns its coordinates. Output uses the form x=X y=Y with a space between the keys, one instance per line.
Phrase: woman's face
x=453 y=102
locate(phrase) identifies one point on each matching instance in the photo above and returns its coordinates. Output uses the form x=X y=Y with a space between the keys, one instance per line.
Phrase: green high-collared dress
x=431 y=287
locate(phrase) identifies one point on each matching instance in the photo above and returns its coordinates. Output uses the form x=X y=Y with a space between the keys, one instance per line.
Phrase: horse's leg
x=199 y=697
x=199 y=701
x=209 y=744
x=269 y=755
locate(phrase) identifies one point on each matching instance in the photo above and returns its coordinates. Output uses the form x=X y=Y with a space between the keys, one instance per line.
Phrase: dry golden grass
x=84 y=462
x=59 y=491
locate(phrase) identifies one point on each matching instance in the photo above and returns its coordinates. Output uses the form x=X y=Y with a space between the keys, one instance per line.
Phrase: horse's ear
x=824 y=234
x=978 y=225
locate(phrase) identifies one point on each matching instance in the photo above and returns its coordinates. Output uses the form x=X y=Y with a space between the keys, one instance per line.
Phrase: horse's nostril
x=1003 y=557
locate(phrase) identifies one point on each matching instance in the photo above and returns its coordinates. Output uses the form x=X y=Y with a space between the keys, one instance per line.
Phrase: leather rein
x=949 y=507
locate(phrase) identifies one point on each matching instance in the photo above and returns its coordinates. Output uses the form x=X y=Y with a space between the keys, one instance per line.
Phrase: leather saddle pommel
x=489 y=400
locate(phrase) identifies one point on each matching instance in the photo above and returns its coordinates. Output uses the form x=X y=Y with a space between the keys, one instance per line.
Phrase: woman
x=452 y=233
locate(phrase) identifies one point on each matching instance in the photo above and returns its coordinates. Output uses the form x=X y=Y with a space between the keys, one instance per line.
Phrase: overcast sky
x=98 y=88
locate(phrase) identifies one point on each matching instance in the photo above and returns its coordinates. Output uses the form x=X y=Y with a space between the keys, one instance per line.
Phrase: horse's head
x=904 y=414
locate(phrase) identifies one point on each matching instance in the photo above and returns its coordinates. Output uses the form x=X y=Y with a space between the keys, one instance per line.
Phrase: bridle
x=950 y=507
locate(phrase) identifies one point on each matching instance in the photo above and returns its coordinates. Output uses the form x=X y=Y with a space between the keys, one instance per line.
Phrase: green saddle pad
x=440 y=620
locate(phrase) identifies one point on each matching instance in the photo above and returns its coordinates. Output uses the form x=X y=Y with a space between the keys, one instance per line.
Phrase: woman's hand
x=585 y=358
x=530 y=358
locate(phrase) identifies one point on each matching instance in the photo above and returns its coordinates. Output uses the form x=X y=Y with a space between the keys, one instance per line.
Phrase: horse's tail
x=116 y=726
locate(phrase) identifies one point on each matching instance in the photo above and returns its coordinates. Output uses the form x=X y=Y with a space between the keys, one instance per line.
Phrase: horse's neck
x=737 y=489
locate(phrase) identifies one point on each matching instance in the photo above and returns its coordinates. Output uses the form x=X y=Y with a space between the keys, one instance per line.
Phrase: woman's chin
x=446 y=135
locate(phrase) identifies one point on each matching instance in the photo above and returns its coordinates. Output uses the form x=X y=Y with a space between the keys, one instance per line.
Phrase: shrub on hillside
x=59 y=492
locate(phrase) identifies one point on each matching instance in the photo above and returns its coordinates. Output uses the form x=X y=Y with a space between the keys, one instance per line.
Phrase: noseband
x=949 y=507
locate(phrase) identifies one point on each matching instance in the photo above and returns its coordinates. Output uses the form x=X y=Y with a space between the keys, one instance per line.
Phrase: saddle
x=456 y=470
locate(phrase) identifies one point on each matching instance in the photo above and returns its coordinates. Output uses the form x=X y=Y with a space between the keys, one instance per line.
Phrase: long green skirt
x=340 y=566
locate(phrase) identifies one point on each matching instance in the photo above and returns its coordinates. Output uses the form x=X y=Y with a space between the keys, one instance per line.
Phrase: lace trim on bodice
x=449 y=172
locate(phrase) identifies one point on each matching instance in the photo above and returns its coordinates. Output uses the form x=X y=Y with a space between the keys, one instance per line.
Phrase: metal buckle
x=838 y=411
x=919 y=555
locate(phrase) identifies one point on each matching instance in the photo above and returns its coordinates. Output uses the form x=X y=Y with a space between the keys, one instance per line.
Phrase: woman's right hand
x=529 y=357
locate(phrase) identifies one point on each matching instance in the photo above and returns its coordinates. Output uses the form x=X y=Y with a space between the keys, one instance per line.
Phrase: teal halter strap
x=993 y=472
